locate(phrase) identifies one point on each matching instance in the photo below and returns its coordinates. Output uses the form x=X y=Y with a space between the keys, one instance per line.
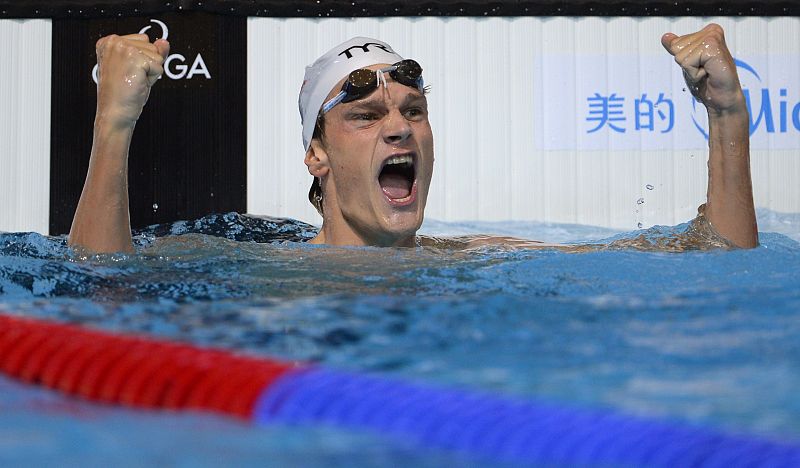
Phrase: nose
x=396 y=130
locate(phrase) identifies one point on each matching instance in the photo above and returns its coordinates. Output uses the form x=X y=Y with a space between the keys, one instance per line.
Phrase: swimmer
x=369 y=144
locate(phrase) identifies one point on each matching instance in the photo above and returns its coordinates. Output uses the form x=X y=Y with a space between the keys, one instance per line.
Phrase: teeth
x=399 y=160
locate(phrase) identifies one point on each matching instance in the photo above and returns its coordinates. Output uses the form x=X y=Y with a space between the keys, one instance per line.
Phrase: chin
x=401 y=225
x=400 y=231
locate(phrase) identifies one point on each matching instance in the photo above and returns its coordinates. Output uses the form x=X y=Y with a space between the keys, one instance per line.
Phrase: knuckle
x=715 y=32
x=105 y=40
x=124 y=47
x=118 y=48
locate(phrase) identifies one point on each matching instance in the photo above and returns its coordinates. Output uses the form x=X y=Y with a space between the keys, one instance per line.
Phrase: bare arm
x=102 y=220
x=710 y=72
x=129 y=66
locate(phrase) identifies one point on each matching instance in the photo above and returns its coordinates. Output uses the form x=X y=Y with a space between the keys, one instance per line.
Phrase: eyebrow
x=367 y=104
x=411 y=97
x=376 y=103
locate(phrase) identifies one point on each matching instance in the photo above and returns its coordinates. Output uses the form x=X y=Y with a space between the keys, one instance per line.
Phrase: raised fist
x=128 y=67
x=708 y=68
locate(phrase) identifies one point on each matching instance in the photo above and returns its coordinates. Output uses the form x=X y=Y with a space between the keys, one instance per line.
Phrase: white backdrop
x=25 y=125
x=509 y=108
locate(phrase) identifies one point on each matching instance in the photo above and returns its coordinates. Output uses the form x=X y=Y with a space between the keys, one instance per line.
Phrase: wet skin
x=710 y=72
x=358 y=139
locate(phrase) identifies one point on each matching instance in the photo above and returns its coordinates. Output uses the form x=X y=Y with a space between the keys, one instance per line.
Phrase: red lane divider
x=133 y=371
x=147 y=373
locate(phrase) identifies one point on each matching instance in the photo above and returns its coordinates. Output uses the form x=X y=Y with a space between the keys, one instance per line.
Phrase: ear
x=317 y=159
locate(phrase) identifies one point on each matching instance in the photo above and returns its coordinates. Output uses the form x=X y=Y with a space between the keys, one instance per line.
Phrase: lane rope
x=146 y=373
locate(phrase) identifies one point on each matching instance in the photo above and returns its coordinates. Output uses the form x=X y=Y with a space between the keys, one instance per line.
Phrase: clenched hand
x=708 y=68
x=128 y=67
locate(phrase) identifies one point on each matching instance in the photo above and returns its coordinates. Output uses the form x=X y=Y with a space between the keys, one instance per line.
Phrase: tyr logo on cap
x=365 y=48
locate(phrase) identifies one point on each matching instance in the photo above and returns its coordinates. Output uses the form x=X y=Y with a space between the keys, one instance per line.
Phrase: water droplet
x=155 y=206
x=639 y=225
x=640 y=201
x=649 y=187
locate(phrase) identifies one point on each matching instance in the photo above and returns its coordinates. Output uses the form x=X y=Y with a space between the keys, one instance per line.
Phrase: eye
x=414 y=113
x=365 y=116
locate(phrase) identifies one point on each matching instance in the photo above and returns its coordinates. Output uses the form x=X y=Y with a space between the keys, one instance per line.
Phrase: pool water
x=704 y=337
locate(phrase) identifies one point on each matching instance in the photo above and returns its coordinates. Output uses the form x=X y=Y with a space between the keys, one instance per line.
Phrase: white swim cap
x=322 y=75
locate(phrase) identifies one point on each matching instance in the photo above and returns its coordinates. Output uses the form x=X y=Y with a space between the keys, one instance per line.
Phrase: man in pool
x=369 y=144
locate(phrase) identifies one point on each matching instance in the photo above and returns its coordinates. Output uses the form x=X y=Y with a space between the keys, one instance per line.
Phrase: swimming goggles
x=362 y=82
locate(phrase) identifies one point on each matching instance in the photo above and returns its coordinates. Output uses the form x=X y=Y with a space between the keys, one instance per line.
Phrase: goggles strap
x=336 y=100
x=380 y=77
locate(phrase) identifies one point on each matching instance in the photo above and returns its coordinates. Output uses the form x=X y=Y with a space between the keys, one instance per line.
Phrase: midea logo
x=175 y=66
x=761 y=106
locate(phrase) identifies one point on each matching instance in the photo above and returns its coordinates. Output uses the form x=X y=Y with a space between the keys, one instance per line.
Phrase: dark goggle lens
x=407 y=72
x=360 y=83
x=363 y=81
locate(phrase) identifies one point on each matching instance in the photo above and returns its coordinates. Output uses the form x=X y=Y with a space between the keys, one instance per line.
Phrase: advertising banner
x=188 y=154
x=648 y=106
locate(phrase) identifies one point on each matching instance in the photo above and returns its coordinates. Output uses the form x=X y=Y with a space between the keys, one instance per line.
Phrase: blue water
x=709 y=338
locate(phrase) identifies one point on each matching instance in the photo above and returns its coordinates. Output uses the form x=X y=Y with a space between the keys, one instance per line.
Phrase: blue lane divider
x=495 y=428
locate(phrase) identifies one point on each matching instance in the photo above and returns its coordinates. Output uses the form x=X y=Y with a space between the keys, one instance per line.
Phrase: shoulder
x=478 y=241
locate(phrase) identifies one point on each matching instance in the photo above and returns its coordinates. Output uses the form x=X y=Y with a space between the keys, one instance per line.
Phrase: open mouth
x=397 y=178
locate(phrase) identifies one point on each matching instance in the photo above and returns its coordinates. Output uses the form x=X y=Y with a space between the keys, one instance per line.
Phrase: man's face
x=379 y=155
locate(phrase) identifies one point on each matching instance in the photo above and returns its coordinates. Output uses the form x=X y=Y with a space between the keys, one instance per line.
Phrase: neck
x=343 y=234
